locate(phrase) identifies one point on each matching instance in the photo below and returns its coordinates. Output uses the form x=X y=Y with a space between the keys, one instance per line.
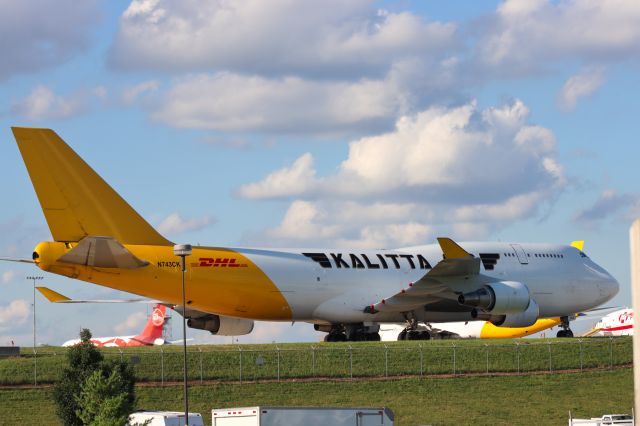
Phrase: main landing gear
x=566 y=331
x=408 y=334
x=412 y=332
x=352 y=333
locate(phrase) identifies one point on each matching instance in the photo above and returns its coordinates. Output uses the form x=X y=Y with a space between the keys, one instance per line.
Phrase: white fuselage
x=337 y=284
x=618 y=323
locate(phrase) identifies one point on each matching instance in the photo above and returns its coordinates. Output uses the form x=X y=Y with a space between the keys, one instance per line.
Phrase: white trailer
x=301 y=416
x=607 y=419
x=164 y=418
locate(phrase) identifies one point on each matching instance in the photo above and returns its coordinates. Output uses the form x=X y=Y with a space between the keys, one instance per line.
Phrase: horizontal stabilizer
x=11 y=259
x=102 y=252
x=55 y=297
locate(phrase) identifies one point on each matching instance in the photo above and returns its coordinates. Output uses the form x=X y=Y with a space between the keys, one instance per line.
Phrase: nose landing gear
x=566 y=331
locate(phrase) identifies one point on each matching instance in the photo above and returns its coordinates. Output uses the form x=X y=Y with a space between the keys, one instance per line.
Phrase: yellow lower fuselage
x=218 y=280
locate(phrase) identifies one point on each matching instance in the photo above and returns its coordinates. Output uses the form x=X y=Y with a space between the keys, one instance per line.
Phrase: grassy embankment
x=340 y=360
x=539 y=399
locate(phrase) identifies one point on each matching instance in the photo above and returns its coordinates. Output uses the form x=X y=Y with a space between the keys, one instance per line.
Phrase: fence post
x=518 y=356
x=313 y=361
x=121 y=355
x=240 y=352
x=580 y=343
x=487 y=350
x=162 y=365
x=386 y=361
x=549 y=343
x=454 y=359
x=278 y=355
x=350 y=362
x=421 y=360
x=200 y=351
x=611 y=352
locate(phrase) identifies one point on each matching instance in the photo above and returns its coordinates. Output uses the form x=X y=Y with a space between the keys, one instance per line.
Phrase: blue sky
x=361 y=124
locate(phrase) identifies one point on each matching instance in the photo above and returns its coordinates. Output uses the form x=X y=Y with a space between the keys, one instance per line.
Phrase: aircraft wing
x=456 y=262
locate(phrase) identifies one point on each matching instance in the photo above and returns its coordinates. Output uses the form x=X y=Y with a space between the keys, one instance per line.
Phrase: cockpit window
x=582 y=254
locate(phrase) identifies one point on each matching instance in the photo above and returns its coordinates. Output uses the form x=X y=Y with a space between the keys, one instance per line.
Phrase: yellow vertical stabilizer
x=75 y=200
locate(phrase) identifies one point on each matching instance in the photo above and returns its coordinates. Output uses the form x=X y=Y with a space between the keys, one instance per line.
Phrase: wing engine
x=221 y=326
x=499 y=298
x=503 y=303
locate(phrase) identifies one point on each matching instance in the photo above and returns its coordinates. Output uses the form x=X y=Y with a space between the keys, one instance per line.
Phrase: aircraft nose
x=606 y=285
x=609 y=287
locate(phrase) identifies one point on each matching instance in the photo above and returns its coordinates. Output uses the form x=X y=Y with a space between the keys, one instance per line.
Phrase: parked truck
x=607 y=419
x=164 y=418
x=301 y=416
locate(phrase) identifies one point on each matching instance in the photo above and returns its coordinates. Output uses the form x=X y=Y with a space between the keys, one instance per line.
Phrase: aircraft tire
x=402 y=335
x=414 y=335
x=424 y=335
x=564 y=333
x=335 y=337
x=373 y=337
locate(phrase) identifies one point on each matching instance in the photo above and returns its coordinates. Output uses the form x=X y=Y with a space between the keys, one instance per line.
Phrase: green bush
x=92 y=390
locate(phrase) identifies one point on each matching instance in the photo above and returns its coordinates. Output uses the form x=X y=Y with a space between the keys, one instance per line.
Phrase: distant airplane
x=468 y=330
x=347 y=293
x=151 y=335
x=617 y=323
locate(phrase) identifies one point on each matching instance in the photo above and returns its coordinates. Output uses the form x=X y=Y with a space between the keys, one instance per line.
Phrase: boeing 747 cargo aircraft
x=347 y=293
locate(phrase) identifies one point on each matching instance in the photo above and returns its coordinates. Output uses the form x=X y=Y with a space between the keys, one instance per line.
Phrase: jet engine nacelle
x=221 y=326
x=499 y=298
x=521 y=319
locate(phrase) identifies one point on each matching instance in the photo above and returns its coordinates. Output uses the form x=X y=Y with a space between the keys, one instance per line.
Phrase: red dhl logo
x=219 y=262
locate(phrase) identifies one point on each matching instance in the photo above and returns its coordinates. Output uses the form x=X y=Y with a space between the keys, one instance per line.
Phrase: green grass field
x=339 y=360
x=540 y=399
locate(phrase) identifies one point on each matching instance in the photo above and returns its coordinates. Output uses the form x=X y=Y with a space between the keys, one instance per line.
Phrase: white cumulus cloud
x=132 y=325
x=15 y=313
x=176 y=224
x=580 y=86
x=278 y=36
x=525 y=35
x=440 y=153
x=43 y=104
x=8 y=276
x=609 y=204
x=234 y=102
x=464 y=169
x=37 y=34
x=133 y=93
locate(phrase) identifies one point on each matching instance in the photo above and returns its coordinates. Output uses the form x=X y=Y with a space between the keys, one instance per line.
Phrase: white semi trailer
x=301 y=416
x=607 y=419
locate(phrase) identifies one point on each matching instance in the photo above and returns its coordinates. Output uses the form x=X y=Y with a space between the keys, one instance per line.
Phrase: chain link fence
x=254 y=363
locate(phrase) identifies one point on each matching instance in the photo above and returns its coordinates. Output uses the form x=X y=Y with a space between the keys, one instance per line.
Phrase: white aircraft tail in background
x=617 y=323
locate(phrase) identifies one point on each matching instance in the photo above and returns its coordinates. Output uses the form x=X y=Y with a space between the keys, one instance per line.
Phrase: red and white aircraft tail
x=150 y=335
x=618 y=323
